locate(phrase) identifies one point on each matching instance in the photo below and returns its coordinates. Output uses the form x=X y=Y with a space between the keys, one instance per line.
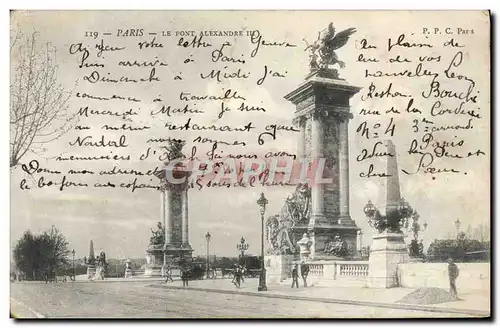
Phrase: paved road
x=136 y=300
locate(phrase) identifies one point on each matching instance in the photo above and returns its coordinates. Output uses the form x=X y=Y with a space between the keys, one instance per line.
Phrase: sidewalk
x=472 y=303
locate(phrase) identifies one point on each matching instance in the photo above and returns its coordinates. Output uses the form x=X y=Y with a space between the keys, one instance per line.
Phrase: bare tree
x=38 y=103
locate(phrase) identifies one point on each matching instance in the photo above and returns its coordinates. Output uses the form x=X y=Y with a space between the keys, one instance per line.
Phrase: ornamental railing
x=351 y=269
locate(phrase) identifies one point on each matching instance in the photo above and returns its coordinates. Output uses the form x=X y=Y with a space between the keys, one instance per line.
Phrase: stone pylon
x=174 y=212
x=393 y=193
x=322 y=114
x=91 y=250
x=388 y=248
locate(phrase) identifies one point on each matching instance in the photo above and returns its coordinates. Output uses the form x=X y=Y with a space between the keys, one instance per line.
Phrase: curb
x=414 y=307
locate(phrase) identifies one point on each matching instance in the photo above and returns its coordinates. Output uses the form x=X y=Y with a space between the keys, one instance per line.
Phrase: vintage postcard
x=250 y=164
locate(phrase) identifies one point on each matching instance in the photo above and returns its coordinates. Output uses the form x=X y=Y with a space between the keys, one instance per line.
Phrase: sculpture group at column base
x=174 y=252
x=387 y=251
x=171 y=254
x=334 y=242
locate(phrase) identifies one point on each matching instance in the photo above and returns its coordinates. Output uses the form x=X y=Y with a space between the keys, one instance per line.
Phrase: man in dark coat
x=295 y=276
x=304 y=271
x=453 y=275
x=185 y=276
x=237 y=277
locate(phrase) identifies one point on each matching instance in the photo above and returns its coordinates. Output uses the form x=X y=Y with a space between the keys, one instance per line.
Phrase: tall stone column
x=301 y=145
x=344 y=170
x=317 y=192
x=167 y=210
x=164 y=222
x=324 y=100
x=185 y=223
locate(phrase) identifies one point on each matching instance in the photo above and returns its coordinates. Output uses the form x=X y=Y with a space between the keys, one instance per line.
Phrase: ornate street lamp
x=370 y=211
x=405 y=213
x=73 y=252
x=416 y=248
x=393 y=221
x=207 y=238
x=242 y=246
x=457 y=225
x=262 y=202
x=360 y=242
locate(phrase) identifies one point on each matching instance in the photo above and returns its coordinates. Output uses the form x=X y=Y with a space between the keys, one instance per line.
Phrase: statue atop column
x=174 y=149
x=322 y=52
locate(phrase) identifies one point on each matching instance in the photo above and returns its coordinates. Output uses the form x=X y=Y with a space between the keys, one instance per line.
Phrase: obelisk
x=91 y=268
x=388 y=248
x=393 y=193
x=91 y=250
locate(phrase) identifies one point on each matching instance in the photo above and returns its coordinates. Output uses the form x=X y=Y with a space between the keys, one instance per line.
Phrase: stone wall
x=278 y=267
x=473 y=276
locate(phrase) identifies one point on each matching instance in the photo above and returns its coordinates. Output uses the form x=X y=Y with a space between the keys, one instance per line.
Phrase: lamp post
x=262 y=202
x=207 y=238
x=242 y=246
x=457 y=225
x=181 y=258
x=360 y=234
x=73 y=252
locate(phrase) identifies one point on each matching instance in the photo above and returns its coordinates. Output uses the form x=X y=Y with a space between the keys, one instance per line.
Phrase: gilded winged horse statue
x=322 y=51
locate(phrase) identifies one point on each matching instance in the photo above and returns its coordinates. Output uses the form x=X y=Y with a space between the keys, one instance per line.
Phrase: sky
x=119 y=221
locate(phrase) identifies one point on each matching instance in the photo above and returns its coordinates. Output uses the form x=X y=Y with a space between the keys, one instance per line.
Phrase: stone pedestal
x=154 y=262
x=278 y=267
x=387 y=250
x=91 y=269
x=128 y=269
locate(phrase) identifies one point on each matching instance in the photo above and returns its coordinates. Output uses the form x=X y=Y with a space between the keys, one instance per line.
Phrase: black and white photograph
x=250 y=164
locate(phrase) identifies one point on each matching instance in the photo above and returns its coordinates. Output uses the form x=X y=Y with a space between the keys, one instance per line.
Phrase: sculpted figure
x=278 y=237
x=296 y=207
x=102 y=260
x=324 y=48
x=336 y=246
x=296 y=210
x=272 y=232
x=174 y=149
x=158 y=236
x=305 y=246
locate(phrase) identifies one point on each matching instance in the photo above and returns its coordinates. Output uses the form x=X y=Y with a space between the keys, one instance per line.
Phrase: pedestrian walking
x=234 y=274
x=295 y=276
x=237 y=277
x=242 y=273
x=168 y=274
x=185 y=277
x=453 y=275
x=304 y=271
